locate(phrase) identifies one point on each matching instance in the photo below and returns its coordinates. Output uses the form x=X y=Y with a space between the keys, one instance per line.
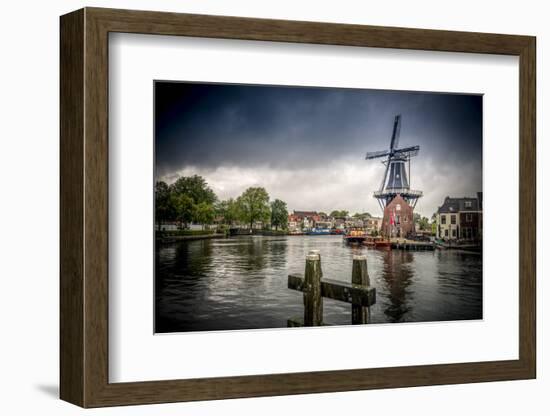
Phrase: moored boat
x=377 y=242
x=319 y=231
x=355 y=235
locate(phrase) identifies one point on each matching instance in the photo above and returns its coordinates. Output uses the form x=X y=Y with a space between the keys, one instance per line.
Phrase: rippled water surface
x=241 y=283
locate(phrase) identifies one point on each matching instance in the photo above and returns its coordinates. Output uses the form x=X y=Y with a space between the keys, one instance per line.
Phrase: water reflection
x=241 y=283
x=397 y=277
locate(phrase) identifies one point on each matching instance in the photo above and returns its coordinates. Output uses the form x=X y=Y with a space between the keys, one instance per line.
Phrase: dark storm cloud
x=220 y=127
x=213 y=125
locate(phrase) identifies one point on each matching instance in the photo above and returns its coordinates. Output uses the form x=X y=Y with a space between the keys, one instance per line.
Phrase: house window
x=454 y=232
x=468 y=217
x=453 y=219
x=443 y=219
x=446 y=233
x=468 y=204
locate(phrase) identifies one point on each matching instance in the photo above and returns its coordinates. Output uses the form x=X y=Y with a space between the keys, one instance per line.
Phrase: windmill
x=396 y=180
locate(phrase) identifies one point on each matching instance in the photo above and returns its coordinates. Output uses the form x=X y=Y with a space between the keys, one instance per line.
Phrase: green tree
x=165 y=209
x=254 y=205
x=423 y=223
x=185 y=209
x=228 y=210
x=204 y=213
x=279 y=214
x=194 y=187
x=339 y=214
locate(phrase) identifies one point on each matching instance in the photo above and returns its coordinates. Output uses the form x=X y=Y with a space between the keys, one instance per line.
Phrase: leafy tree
x=165 y=209
x=185 y=209
x=279 y=214
x=194 y=187
x=204 y=213
x=422 y=222
x=339 y=214
x=228 y=210
x=221 y=211
x=254 y=205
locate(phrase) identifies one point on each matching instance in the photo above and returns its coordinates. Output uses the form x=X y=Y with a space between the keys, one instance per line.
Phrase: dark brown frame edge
x=84 y=209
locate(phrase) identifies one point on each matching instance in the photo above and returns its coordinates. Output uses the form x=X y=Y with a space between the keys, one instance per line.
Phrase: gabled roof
x=459 y=204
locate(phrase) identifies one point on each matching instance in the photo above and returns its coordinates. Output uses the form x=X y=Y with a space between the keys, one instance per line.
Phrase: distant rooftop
x=460 y=204
x=302 y=214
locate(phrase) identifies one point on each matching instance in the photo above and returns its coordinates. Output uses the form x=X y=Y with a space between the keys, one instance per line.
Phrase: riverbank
x=186 y=235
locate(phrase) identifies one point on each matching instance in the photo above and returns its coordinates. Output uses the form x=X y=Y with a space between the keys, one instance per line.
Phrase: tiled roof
x=459 y=204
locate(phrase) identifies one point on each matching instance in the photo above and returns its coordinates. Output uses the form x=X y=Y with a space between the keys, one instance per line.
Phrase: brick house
x=398 y=218
x=460 y=219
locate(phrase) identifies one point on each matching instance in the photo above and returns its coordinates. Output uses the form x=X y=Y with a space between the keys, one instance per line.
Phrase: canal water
x=241 y=283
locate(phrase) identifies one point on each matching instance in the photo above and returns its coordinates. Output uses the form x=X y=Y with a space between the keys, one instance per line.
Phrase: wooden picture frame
x=84 y=207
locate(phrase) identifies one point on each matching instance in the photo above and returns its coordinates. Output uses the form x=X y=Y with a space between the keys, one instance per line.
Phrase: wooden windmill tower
x=395 y=196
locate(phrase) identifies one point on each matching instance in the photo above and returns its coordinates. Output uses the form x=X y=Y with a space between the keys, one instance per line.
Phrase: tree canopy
x=339 y=214
x=228 y=211
x=190 y=199
x=165 y=204
x=186 y=200
x=254 y=205
x=279 y=214
x=196 y=188
x=423 y=223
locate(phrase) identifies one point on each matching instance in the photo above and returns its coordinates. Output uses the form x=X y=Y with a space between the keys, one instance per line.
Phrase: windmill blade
x=410 y=151
x=396 y=132
x=374 y=155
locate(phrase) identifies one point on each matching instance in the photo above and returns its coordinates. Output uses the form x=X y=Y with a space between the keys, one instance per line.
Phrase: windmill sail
x=396 y=132
x=395 y=181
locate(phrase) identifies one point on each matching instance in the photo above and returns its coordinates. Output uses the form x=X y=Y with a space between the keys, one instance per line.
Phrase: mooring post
x=359 y=276
x=317 y=252
x=313 y=301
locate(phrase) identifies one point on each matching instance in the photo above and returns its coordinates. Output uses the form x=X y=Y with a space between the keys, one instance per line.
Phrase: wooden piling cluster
x=315 y=287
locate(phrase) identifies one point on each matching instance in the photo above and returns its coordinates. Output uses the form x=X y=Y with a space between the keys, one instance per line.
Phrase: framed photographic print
x=262 y=207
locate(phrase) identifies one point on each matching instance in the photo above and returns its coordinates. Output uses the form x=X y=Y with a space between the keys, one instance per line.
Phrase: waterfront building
x=460 y=218
x=373 y=224
x=324 y=224
x=303 y=220
x=398 y=218
x=294 y=223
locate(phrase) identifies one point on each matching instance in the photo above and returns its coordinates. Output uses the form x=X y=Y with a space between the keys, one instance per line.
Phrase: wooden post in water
x=359 y=276
x=313 y=301
x=317 y=252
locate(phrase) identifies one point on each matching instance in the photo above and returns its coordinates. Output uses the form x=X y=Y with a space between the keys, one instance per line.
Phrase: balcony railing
x=404 y=191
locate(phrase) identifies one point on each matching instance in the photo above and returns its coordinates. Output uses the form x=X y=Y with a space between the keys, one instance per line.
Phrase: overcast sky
x=307 y=146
